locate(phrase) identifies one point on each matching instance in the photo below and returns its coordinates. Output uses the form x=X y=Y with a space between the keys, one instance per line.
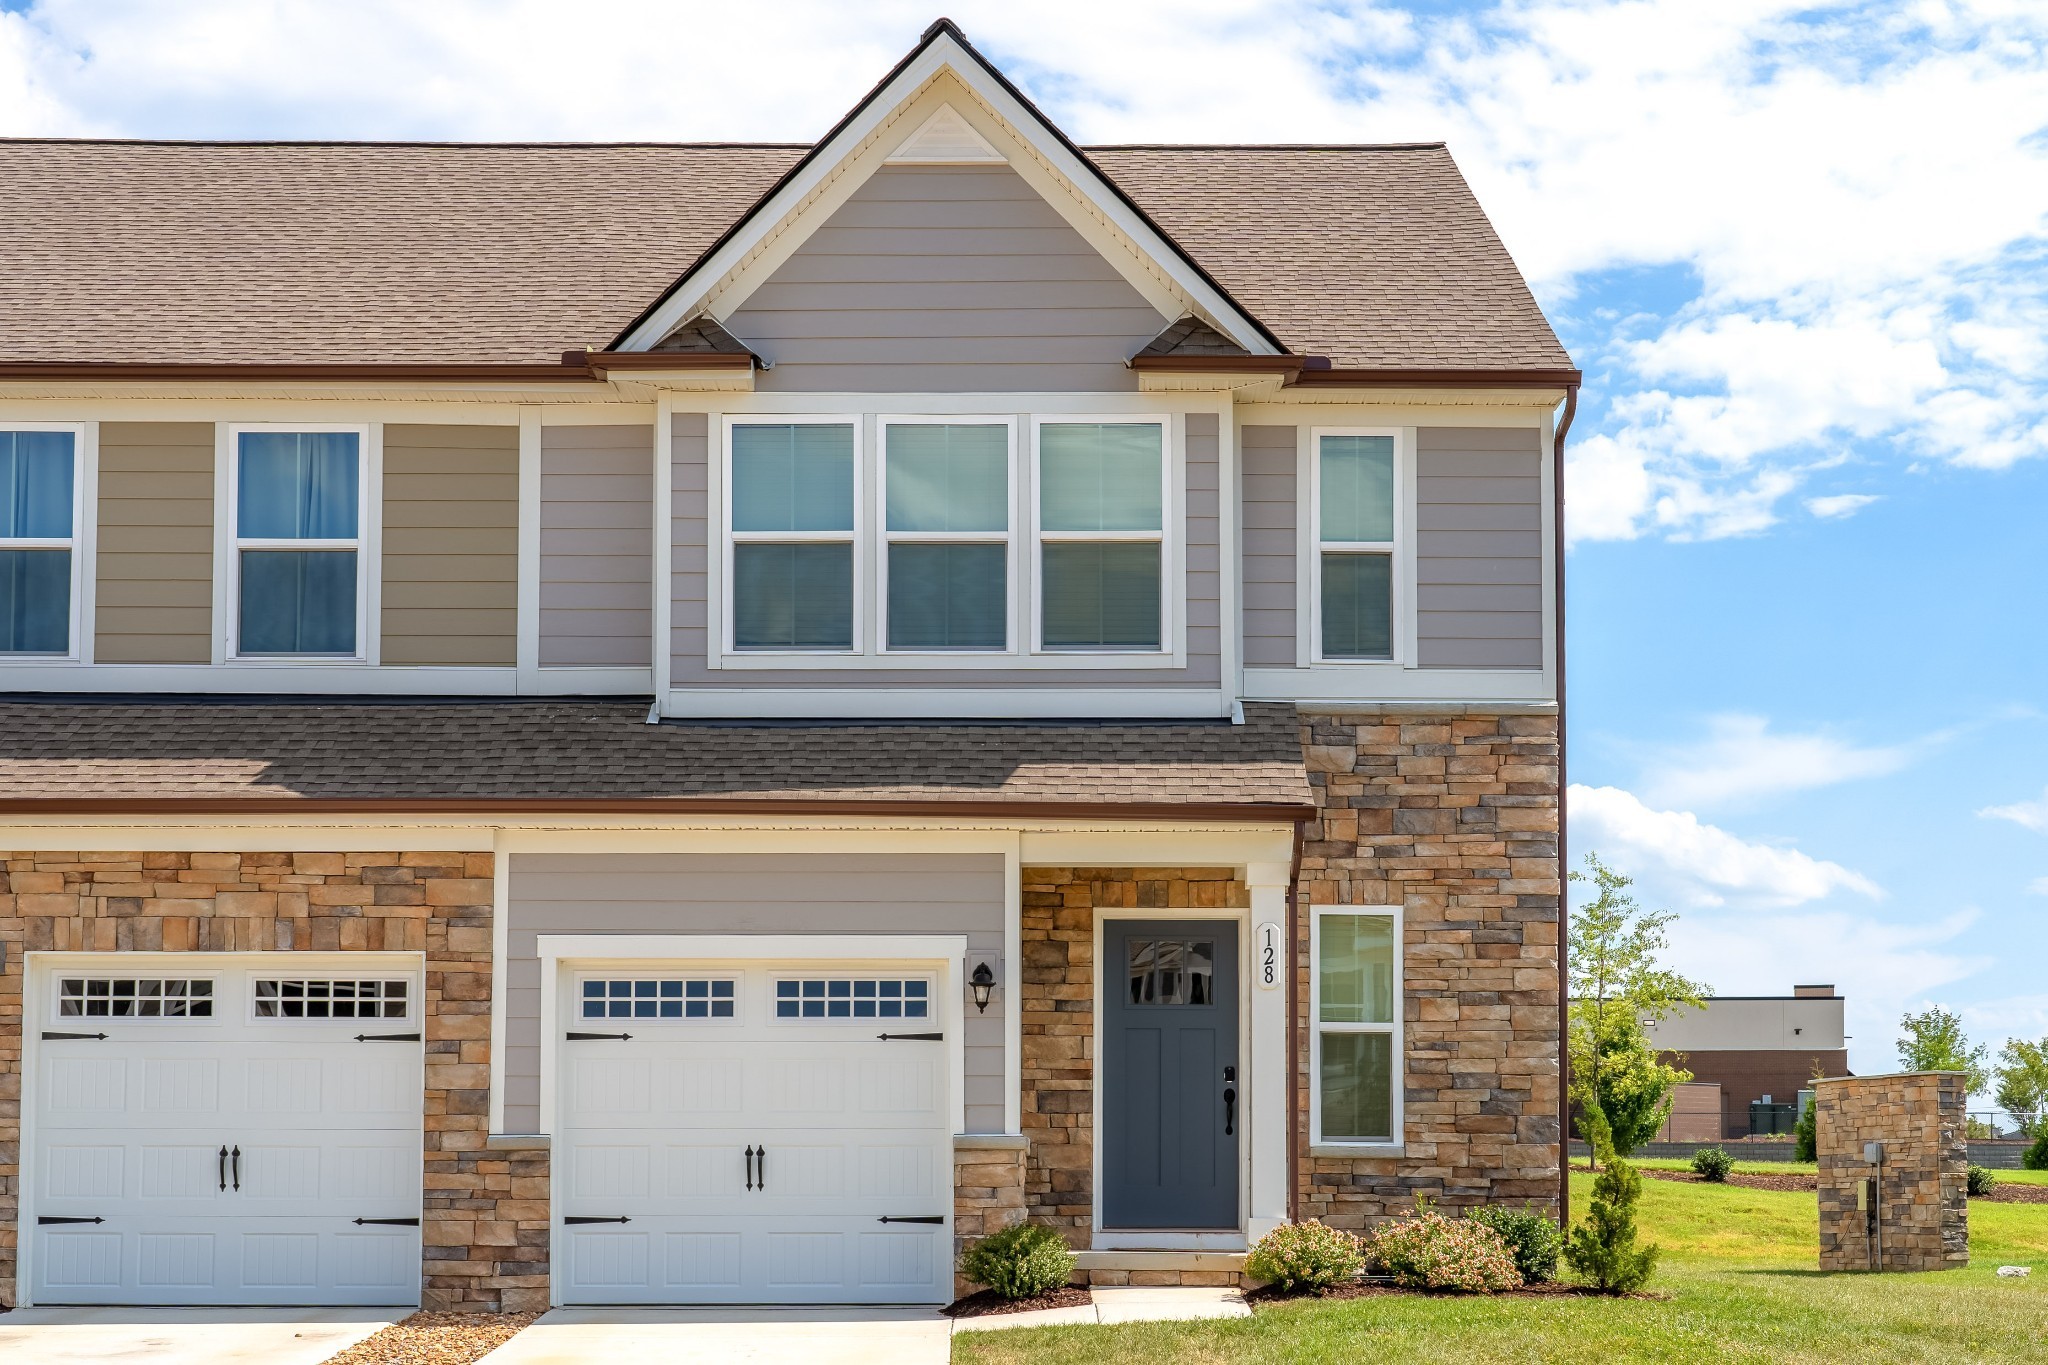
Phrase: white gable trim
x=943 y=73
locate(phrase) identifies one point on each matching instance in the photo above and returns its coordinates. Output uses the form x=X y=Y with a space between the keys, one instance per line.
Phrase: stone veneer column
x=1452 y=816
x=485 y=1230
x=1923 y=1217
x=988 y=1192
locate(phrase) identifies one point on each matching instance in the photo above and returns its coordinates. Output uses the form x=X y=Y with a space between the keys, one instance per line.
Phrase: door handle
x=236 y=1157
x=1229 y=1101
x=223 y=1172
x=750 y=1166
x=761 y=1166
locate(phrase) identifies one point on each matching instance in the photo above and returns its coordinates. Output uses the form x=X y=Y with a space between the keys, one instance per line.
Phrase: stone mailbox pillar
x=1893 y=1168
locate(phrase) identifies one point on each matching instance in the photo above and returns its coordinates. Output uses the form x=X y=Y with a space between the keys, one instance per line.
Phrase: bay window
x=1101 y=531
x=793 y=501
x=1355 y=540
x=298 y=519
x=1356 y=957
x=946 y=519
x=39 y=511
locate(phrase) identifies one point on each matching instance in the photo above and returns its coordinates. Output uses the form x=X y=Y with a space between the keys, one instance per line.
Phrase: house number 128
x=1269 y=956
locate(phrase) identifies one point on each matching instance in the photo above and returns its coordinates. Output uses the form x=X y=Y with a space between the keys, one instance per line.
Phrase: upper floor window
x=1356 y=530
x=1357 y=1037
x=793 y=513
x=297 y=518
x=946 y=517
x=1102 y=535
x=39 y=504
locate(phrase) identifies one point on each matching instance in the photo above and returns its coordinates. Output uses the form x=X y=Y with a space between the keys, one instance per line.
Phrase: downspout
x=1564 y=1164
x=1296 y=1120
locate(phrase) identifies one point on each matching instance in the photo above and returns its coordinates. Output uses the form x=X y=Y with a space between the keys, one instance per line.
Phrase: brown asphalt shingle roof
x=353 y=253
x=228 y=753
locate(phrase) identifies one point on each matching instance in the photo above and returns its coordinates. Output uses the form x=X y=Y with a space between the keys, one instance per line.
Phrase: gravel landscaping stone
x=436 y=1339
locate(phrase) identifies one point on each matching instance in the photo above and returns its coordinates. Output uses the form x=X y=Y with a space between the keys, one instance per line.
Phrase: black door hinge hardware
x=576 y=1222
x=389 y=1222
x=912 y=1037
x=936 y=1220
x=586 y=1037
x=387 y=1037
x=64 y=1037
x=46 y=1220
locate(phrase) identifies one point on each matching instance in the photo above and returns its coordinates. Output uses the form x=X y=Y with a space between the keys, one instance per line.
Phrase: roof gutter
x=1564 y=1163
x=1275 y=812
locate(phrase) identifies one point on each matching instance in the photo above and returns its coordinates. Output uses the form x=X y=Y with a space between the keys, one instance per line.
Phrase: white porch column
x=1265 y=1103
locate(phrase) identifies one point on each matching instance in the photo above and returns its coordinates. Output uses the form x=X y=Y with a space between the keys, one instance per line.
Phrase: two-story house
x=702 y=723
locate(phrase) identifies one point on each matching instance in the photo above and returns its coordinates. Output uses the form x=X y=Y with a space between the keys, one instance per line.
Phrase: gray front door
x=1171 y=1090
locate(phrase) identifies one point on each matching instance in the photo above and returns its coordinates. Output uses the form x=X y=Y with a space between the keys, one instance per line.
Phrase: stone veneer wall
x=1922 y=1196
x=485 y=1230
x=988 y=1193
x=1056 y=987
x=1453 y=816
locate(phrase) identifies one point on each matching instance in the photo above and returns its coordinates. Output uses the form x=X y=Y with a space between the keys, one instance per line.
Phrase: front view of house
x=706 y=724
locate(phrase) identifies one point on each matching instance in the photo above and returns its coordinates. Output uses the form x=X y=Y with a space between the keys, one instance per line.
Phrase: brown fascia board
x=1220 y=364
x=276 y=805
x=601 y=361
x=1401 y=378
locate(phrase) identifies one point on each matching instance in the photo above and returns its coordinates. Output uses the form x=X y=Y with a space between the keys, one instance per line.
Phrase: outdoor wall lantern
x=983 y=984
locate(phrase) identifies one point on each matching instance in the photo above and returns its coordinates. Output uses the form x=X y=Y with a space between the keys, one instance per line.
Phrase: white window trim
x=1316 y=1028
x=84 y=517
x=1008 y=537
x=229 y=543
x=576 y=1018
x=856 y=537
x=1171 y=539
x=1401 y=548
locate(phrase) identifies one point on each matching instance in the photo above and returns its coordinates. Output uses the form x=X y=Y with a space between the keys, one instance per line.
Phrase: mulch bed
x=436 y=1339
x=2004 y=1192
x=986 y=1302
x=1367 y=1289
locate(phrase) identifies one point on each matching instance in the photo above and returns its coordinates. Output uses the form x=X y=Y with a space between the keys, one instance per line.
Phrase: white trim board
x=942 y=703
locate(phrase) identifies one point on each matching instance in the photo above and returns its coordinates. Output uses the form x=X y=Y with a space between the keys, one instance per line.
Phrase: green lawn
x=1739 y=1266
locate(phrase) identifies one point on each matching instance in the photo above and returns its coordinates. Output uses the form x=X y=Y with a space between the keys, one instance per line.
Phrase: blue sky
x=1801 y=251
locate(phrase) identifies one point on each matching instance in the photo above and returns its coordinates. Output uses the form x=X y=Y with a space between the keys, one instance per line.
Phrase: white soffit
x=944 y=139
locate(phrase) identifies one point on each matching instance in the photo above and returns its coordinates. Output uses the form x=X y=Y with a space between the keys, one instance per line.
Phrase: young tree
x=1934 y=1041
x=2023 y=1084
x=1617 y=983
x=1633 y=1086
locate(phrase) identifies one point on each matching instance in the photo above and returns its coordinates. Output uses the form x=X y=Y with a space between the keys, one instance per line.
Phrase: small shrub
x=1305 y=1257
x=1603 y=1250
x=1806 y=1135
x=2035 y=1158
x=1430 y=1251
x=1711 y=1163
x=1020 y=1262
x=1533 y=1239
x=1979 y=1182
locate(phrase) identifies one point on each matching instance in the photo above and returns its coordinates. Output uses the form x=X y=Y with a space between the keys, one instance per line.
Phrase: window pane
x=1358 y=487
x=792 y=477
x=297 y=485
x=1358 y=606
x=35 y=484
x=949 y=478
x=792 y=596
x=298 y=602
x=1099 y=593
x=948 y=596
x=1358 y=1087
x=1356 y=969
x=35 y=601
x=1099 y=476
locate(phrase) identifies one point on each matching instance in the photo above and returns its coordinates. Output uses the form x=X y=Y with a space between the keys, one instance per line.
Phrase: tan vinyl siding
x=1271 y=520
x=688 y=893
x=1479 y=547
x=596 y=546
x=946 y=278
x=451 y=545
x=154 y=595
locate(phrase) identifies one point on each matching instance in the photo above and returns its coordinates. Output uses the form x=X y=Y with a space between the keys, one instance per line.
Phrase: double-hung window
x=1357 y=1031
x=39 y=523
x=1355 y=540
x=1101 y=533
x=793 y=506
x=298 y=519
x=946 y=521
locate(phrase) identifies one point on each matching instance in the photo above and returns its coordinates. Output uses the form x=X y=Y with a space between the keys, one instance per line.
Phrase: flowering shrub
x=1304 y=1256
x=1430 y=1251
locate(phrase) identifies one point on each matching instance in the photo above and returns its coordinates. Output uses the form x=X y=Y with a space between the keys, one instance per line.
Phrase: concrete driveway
x=757 y=1336
x=186 y=1336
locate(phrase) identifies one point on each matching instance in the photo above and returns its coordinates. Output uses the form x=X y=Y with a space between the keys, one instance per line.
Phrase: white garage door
x=226 y=1130
x=754 y=1138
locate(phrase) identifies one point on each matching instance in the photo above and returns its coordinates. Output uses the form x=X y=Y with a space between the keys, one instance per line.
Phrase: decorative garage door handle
x=935 y=1219
x=236 y=1158
x=912 y=1037
x=578 y=1222
x=223 y=1166
x=761 y=1167
x=750 y=1165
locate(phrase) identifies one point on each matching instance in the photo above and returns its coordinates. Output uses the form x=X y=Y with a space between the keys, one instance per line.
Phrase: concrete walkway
x=186 y=1336
x=1123 y=1305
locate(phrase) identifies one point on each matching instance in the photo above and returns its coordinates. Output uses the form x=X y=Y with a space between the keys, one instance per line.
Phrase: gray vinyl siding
x=689 y=893
x=154 y=594
x=693 y=527
x=596 y=546
x=945 y=279
x=1479 y=547
x=450 y=544
x=1271 y=521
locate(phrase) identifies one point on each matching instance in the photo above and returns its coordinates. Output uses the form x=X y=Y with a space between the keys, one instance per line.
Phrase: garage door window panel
x=332 y=998
x=678 y=999
x=134 y=997
x=829 y=998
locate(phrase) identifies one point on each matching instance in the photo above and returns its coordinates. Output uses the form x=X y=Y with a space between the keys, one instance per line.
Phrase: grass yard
x=1738 y=1264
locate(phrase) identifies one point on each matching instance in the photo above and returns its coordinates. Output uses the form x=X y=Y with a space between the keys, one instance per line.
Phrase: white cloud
x=1741 y=758
x=2028 y=814
x=2038 y=887
x=1838 y=505
x=1681 y=861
